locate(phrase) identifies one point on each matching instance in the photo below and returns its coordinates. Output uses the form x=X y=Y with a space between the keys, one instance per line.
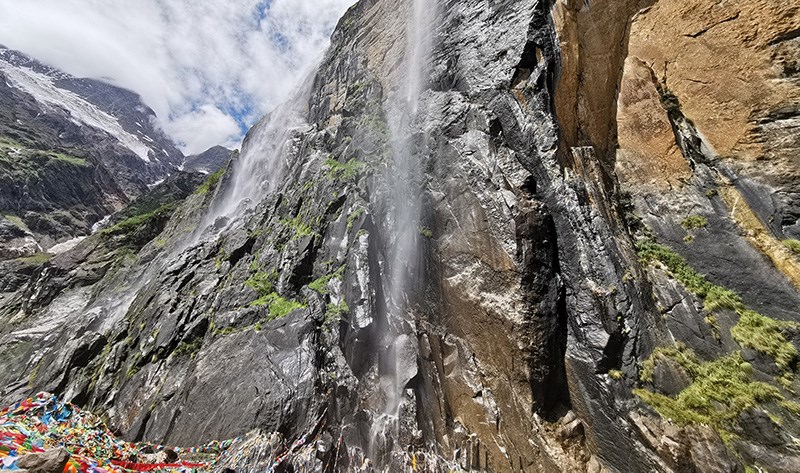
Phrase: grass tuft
x=793 y=245
x=277 y=305
x=720 y=391
x=210 y=183
x=753 y=330
x=693 y=222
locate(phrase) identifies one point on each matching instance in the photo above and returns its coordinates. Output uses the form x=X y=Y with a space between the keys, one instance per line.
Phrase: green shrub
x=210 y=183
x=277 y=305
x=694 y=221
x=793 y=245
x=720 y=391
x=348 y=170
x=765 y=335
x=753 y=330
x=426 y=232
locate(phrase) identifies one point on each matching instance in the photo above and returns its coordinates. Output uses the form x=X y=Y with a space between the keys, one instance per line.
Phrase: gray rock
x=50 y=461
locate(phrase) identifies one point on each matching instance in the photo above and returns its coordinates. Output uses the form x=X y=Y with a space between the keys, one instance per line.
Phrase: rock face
x=209 y=161
x=71 y=150
x=593 y=280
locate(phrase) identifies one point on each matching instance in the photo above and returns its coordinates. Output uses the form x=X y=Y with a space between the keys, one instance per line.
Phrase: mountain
x=209 y=161
x=491 y=236
x=72 y=150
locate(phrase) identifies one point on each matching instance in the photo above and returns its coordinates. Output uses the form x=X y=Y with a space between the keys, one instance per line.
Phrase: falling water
x=258 y=171
x=408 y=144
x=261 y=165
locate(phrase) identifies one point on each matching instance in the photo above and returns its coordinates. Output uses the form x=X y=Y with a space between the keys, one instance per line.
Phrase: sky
x=208 y=68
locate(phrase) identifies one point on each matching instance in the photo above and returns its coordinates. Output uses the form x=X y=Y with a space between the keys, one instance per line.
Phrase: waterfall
x=258 y=172
x=261 y=165
x=408 y=143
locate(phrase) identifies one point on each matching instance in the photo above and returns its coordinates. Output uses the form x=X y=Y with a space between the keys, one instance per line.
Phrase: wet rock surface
x=536 y=327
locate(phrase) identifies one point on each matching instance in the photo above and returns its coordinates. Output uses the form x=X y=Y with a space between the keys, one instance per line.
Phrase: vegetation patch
x=210 y=183
x=35 y=260
x=132 y=223
x=21 y=152
x=351 y=219
x=345 y=171
x=720 y=391
x=426 y=232
x=17 y=221
x=320 y=285
x=793 y=245
x=66 y=158
x=334 y=311
x=190 y=348
x=8 y=143
x=678 y=353
x=693 y=222
x=277 y=305
x=262 y=283
x=753 y=330
x=301 y=229
x=765 y=335
x=616 y=375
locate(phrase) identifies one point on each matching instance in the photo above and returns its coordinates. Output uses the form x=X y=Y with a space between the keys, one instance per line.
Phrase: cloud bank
x=209 y=69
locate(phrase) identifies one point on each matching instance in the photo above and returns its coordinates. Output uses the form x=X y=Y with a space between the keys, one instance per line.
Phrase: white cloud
x=203 y=128
x=202 y=66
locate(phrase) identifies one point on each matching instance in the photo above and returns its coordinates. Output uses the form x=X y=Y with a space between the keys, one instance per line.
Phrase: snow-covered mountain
x=116 y=111
x=72 y=151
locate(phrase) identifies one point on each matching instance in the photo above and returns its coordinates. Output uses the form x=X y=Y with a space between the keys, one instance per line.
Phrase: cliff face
x=511 y=236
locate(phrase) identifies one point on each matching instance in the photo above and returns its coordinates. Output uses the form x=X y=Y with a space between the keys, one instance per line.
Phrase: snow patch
x=66 y=246
x=103 y=223
x=42 y=88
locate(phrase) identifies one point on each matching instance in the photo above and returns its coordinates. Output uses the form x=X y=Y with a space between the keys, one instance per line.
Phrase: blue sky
x=208 y=69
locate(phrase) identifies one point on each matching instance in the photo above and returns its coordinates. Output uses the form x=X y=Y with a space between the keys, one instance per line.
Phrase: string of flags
x=42 y=423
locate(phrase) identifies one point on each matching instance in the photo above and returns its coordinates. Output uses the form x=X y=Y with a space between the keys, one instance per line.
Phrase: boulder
x=51 y=461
